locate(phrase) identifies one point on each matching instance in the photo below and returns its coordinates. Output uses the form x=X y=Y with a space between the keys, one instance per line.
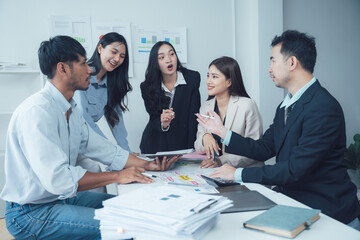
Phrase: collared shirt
x=288 y=101
x=42 y=148
x=92 y=103
x=179 y=81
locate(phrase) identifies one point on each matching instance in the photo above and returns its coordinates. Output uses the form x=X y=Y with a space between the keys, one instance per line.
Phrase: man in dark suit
x=307 y=137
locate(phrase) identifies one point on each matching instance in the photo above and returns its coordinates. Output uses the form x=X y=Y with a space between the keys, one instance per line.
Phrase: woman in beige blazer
x=228 y=97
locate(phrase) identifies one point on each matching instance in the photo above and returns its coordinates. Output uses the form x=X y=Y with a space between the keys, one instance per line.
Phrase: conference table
x=230 y=225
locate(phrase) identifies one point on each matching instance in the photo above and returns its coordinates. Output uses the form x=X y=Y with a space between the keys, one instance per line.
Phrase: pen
x=206 y=116
x=214 y=156
x=183 y=184
x=149 y=175
x=199 y=209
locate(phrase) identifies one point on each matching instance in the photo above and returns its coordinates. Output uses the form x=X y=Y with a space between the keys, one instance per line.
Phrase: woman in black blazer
x=171 y=96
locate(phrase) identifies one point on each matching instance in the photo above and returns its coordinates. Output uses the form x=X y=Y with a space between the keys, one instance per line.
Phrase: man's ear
x=293 y=62
x=62 y=68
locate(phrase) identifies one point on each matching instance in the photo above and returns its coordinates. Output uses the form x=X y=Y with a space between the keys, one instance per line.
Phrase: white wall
x=208 y=23
x=336 y=26
x=257 y=22
x=239 y=28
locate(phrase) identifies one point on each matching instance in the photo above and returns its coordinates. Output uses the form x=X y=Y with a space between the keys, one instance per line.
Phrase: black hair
x=118 y=84
x=58 y=49
x=300 y=45
x=231 y=69
x=151 y=86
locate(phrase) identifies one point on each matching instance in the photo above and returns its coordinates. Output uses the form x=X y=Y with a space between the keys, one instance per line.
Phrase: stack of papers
x=161 y=212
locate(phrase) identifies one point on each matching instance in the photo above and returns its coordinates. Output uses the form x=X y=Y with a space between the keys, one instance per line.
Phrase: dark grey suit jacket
x=309 y=154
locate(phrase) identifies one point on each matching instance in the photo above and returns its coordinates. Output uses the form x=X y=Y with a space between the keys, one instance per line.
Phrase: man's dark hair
x=300 y=45
x=58 y=49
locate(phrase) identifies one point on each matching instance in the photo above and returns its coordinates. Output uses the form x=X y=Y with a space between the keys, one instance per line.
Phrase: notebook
x=284 y=220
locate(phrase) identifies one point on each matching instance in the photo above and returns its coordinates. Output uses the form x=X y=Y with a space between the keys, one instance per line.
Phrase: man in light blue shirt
x=45 y=192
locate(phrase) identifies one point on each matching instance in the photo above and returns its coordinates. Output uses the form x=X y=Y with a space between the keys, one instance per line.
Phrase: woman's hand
x=210 y=145
x=210 y=163
x=162 y=165
x=166 y=117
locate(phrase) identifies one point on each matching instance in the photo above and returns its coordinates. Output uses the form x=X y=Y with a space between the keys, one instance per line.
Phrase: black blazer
x=309 y=154
x=183 y=128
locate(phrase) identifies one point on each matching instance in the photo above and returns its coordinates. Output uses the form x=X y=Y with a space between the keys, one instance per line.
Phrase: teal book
x=284 y=220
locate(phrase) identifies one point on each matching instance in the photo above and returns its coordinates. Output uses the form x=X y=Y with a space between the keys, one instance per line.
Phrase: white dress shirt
x=42 y=148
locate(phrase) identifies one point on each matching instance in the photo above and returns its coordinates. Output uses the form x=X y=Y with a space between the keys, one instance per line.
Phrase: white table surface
x=229 y=226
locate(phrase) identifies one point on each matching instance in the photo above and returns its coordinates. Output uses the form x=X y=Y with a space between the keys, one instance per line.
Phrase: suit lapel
x=231 y=111
x=296 y=111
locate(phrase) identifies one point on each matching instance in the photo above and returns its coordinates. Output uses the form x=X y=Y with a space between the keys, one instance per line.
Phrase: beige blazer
x=242 y=117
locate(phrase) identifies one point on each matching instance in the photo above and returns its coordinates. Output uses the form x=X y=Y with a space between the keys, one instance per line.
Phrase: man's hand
x=163 y=165
x=132 y=174
x=214 y=125
x=226 y=171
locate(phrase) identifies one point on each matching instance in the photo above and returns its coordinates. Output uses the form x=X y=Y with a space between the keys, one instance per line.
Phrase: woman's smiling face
x=112 y=56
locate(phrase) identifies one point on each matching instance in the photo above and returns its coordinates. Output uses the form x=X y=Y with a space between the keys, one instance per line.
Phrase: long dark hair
x=231 y=69
x=151 y=87
x=118 y=84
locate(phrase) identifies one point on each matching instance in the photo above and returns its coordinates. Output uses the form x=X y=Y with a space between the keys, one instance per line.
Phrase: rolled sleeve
x=118 y=163
x=102 y=150
x=77 y=173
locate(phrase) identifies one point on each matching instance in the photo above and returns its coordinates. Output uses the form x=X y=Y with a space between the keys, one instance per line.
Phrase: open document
x=186 y=176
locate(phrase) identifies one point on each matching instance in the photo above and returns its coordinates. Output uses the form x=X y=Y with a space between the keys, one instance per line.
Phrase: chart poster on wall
x=145 y=38
x=101 y=27
x=75 y=26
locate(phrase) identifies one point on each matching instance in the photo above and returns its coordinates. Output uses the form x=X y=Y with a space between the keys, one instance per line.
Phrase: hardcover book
x=284 y=220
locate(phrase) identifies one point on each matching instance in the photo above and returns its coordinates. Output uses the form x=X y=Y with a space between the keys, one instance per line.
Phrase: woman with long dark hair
x=106 y=94
x=108 y=88
x=171 y=96
x=229 y=99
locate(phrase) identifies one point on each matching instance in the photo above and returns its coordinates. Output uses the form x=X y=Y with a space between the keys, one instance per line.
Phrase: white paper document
x=165 y=211
x=186 y=176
